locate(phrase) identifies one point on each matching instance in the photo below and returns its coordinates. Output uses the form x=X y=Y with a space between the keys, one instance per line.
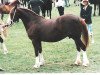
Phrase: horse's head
x=13 y=16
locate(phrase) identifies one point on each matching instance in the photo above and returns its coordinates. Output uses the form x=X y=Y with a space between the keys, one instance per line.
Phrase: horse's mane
x=30 y=12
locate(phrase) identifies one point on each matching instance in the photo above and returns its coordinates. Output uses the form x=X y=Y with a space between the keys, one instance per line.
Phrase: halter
x=10 y=22
x=13 y=17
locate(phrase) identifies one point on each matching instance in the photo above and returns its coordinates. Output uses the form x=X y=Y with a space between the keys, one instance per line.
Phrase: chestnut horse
x=52 y=30
x=5 y=8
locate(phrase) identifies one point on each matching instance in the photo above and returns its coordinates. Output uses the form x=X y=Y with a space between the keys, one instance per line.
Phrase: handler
x=85 y=13
x=35 y=5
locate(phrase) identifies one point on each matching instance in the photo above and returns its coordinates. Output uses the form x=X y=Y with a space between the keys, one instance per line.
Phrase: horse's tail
x=85 y=36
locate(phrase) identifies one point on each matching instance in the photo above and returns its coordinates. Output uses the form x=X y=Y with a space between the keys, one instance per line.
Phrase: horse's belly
x=53 y=38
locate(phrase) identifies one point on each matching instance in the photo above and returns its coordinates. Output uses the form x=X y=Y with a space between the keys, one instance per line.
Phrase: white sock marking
x=37 y=65
x=85 y=59
x=78 y=60
x=41 y=59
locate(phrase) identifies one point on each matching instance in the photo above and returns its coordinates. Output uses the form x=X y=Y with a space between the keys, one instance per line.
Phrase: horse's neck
x=26 y=17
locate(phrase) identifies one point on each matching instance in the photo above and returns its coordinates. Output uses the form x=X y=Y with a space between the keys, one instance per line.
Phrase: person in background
x=60 y=4
x=67 y=4
x=35 y=5
x=85 y=13
x=11 y=1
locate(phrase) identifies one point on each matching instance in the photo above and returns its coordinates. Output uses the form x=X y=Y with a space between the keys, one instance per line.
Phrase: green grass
x=59 y=56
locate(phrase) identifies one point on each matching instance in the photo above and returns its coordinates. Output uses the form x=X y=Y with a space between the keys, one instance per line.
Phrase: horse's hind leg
x=80 y=45
x=38 y=53
x=85 y=59
x=78 y=60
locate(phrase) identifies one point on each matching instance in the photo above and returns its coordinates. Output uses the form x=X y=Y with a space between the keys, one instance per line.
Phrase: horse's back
x=70 y=24
x=68 y=18
x=63 y=26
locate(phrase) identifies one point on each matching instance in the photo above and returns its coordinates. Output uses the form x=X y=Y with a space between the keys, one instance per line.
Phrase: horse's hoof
x=42 y=63
x=85 y=64
x=36 y=66
x=78 y=62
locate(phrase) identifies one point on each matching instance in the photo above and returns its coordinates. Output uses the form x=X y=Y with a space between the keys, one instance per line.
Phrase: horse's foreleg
x=36 y=45
x=4 y=48
x=41 y=59
x=2 y=38
x=38 y=53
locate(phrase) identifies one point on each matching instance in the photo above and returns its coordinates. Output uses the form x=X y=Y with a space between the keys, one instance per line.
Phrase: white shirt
x=11 y=1
x=85 y=7
x=60 y=3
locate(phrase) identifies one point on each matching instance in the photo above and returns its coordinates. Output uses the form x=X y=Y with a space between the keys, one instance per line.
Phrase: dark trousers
x=61 y=10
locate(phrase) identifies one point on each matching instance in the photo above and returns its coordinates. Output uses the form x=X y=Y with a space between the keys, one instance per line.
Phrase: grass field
x=59 y=56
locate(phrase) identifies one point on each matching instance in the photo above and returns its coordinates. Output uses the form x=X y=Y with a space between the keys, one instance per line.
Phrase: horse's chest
x=32 y=32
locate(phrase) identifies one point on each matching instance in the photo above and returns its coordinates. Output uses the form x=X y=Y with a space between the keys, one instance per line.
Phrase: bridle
x=13 y=17
x=11 y=20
